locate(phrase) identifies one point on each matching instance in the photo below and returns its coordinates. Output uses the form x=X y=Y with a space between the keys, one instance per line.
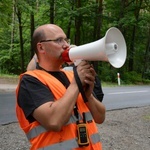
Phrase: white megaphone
x=111 y=48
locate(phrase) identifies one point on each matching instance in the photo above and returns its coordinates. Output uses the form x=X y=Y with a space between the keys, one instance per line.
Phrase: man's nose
x=66 y=45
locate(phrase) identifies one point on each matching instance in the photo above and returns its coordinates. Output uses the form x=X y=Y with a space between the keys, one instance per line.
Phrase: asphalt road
x=114 y=98
x=7 y=107
x=126 y=97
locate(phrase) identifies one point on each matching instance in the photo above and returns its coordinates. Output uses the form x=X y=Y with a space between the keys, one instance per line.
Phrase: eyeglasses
x=59 y=41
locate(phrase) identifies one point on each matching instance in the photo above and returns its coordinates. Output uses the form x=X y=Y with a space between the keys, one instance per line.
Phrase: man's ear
x=40 y=48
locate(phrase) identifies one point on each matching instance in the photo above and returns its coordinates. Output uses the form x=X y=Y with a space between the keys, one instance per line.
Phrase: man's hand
x=86 y=74
x=90 y=79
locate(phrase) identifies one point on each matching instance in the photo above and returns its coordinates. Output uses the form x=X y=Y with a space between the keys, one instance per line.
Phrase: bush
x=146 y=74
x=132 y=77
x=108 y=74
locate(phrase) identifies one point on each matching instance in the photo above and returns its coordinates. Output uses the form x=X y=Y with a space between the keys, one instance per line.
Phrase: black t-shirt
x=33 y=93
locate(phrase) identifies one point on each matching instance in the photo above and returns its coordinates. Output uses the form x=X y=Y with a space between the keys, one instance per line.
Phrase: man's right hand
x=83 y=69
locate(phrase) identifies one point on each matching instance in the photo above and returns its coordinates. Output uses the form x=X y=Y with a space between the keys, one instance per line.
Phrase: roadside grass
x=14 y=78
x=7 y=78
x=11 y=78
x=110 y=84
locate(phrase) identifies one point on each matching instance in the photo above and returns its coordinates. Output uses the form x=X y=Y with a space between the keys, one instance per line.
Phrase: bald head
x=44 y=31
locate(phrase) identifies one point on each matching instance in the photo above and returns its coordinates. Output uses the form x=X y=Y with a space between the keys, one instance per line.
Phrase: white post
x=118 y=75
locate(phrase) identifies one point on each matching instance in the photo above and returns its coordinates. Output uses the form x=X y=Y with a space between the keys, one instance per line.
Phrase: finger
x=89 y=82
x=84 y=63
x=90 y=79
x=84 y=69
x=92 y=71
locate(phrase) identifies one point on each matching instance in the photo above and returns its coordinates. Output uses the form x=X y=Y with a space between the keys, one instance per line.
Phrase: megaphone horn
x=111 y=48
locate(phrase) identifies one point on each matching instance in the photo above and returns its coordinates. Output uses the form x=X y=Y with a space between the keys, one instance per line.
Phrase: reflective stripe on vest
x=70 y=144
x=73 y=119
x=95 y=138
x=36 y=131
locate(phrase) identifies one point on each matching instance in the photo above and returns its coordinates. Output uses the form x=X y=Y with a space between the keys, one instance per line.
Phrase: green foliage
x=131 y=17
x=5 y=12
x=147 y=75
x=9 y=62
x=132 y=77
x=107 y=73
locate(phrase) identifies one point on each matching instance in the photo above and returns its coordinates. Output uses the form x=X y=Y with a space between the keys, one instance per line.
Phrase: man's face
x=55 y=43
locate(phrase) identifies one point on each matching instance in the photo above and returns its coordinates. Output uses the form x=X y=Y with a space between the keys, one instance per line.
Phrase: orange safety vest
x=66 y=139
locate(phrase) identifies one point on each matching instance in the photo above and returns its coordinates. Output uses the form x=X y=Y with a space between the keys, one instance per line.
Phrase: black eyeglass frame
x=57 y=40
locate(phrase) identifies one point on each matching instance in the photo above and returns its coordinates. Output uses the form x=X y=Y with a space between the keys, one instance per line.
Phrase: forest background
x=83 y=21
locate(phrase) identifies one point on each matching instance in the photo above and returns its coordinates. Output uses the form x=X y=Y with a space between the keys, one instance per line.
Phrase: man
x=50 y=108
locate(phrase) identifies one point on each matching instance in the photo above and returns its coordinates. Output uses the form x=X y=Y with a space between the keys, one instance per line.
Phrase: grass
x=8 y=76
x=104 y=84
x=147 y=117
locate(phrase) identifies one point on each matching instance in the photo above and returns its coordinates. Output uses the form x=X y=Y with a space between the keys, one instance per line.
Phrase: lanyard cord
x=78 y=81
x=77 y=114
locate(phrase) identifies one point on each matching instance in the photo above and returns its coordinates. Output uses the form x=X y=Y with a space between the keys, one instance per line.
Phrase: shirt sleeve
x=32 y=94
x=98 y=92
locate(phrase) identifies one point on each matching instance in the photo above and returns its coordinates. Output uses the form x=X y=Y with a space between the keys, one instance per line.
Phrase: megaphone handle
x=78 y=81
x=76 y=62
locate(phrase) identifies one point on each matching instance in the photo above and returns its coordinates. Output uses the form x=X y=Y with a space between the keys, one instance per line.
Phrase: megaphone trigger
x=76 y=62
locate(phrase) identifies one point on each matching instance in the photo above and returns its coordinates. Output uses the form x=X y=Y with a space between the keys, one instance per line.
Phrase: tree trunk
x=132 y=49
x=132 y=46
x=97 y=26
x=52 y=6
x=78 y=23
x=12 y=29
x=34 y=5
x=21 y=41
x=98 y=20
x=146 y=67
x=68 y=29
x=32 y=27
